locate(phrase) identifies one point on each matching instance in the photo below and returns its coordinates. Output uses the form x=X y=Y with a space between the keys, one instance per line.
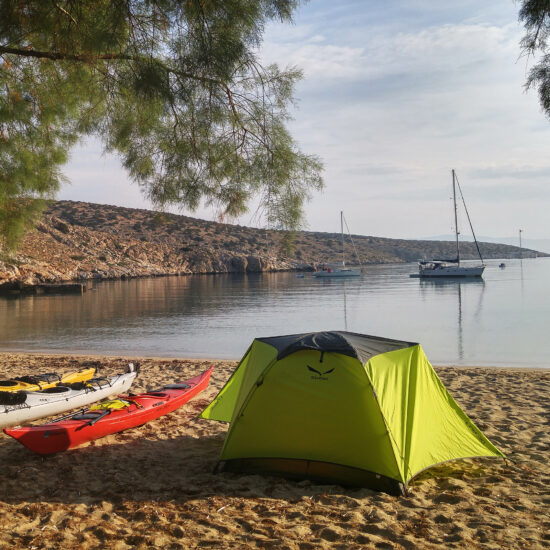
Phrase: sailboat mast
x=342 y=231
x=456 y=219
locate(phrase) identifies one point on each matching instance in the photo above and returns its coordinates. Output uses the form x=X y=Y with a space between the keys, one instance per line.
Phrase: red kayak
x=135 y=410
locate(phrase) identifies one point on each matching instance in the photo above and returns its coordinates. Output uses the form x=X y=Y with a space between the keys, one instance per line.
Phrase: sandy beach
x=153 y=486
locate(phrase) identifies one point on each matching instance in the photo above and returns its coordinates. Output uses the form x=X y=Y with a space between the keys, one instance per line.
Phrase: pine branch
x=89 y=58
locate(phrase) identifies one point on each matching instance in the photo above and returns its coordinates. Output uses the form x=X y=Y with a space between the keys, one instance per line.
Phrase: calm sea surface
x=500 y=320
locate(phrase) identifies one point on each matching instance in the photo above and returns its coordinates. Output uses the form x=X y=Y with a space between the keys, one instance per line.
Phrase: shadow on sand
x=179 y=470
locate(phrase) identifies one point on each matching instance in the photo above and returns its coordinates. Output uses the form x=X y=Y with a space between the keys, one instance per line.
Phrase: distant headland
x=79 y=241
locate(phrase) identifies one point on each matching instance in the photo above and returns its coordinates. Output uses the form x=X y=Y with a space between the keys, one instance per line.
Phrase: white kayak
x=28 y=406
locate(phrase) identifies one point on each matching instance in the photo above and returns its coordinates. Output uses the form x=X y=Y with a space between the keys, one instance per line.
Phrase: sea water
x=501 y=319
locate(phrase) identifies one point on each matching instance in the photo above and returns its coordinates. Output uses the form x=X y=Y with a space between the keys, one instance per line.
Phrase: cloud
x=395 y=94
x=451 y=50
x=531 y=175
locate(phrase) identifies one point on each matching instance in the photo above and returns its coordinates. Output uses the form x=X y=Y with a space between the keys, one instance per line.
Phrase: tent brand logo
x=319 y=375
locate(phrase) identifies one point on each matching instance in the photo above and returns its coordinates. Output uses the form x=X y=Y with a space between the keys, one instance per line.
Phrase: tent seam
x=385 y=422
x=407 y=461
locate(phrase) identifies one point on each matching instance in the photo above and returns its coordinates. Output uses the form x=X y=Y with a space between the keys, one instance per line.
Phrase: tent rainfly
x=342 y=408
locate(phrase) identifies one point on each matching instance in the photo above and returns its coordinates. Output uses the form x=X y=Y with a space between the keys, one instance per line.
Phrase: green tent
x=341 y=407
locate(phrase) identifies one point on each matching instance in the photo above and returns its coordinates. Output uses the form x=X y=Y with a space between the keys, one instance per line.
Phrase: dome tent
x=344 y=408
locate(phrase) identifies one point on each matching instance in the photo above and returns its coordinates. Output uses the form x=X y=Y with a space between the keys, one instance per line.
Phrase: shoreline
x=78 y=241
x=110 y=356
x=154 y=486
x=22 y=287
x=190 y=358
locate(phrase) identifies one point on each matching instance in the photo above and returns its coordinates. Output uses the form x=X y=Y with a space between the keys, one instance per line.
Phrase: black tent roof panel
x=360 y=346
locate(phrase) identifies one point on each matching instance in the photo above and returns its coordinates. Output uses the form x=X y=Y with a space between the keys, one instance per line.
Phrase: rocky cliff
x=80 y=241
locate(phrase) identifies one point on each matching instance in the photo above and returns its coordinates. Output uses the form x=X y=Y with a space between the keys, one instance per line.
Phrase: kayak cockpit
x=86 y=416
x=54 y=389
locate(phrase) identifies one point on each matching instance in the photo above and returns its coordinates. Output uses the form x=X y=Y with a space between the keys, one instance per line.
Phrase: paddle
x=99 y=417
x=68 y=416
x=91 y=422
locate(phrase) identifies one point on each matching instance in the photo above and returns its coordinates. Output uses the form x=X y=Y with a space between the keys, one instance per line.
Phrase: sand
x=153 y=486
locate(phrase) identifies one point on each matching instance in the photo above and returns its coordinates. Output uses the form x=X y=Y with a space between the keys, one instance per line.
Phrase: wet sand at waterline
x=153 y=486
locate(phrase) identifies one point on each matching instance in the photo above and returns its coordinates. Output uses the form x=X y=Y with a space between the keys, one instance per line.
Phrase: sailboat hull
x=436 y=269
x=450 y=271
x=343 y=271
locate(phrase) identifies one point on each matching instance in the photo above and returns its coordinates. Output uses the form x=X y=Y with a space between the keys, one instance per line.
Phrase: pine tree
x=174 y=87
x=535 y=14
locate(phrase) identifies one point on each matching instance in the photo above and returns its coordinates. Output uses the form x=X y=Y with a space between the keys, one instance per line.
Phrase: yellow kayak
x=43 y=381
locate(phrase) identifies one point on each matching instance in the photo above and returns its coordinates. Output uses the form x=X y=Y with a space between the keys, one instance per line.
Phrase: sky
x=396 y=94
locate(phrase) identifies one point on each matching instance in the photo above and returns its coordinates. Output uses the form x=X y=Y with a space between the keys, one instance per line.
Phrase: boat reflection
x=453 y=287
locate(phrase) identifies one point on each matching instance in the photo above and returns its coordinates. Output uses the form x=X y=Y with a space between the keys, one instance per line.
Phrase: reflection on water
x=499 y=320
x=457 y=287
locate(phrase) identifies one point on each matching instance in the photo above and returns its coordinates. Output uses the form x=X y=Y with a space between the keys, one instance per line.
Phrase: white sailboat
x=452 y=267
x=339 y=270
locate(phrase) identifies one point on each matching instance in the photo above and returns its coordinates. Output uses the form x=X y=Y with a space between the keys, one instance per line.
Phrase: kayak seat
x=78 y=385
x=8 y=383
x=37 y=378
x=55 y=389
x=86 y=416
x=13 y=398
x=27 y=379
x=49 y=377
x=176 y=387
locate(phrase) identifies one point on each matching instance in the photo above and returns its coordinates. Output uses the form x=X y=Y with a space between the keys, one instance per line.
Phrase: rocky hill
x=80 y=241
